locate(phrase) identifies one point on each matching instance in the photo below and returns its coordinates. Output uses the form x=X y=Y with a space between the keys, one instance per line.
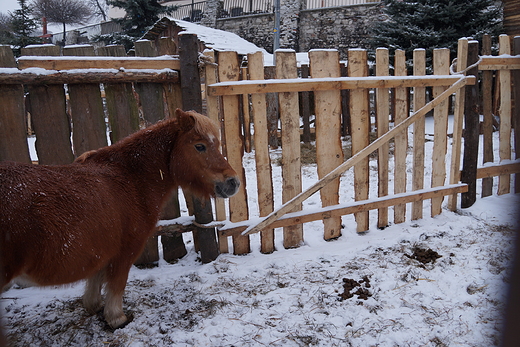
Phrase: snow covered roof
x=210 y=37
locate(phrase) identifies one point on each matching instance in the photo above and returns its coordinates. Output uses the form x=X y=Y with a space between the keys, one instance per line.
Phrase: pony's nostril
x=227 y=188
x=233 y=182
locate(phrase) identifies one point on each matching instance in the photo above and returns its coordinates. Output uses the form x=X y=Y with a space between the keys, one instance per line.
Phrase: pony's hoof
x=118 y=322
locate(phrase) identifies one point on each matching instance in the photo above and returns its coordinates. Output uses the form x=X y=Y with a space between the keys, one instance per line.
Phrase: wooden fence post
x=192 y=100
x=228 y=70
x=516 y=114
x=173 y=245
x=460 y=101
x=419 y=100
x=86 y=108
x=291 y=164
x=13 y=122
x=400 y=140
x=504 y=181
x=329 y=151
x=487 y=111
x=441 y=66
x=213 y=110
x=382 y=114
x=51 y=124
x=360 y=128
x=261 y=143
x=471 y=131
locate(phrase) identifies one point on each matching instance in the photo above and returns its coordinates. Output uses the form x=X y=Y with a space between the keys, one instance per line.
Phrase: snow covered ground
x=297 y=297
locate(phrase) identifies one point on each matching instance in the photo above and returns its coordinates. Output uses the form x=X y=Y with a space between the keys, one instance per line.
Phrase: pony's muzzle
x=227 y=188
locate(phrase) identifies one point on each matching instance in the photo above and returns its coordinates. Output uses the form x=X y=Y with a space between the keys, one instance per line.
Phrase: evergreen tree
x=22 y=25
x=140 y=15
x=433 y=24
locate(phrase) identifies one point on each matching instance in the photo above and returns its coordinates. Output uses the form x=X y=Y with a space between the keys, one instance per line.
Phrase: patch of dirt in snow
x=295 y=297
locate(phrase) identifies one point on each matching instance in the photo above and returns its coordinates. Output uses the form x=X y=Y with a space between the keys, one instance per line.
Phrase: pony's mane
x=204 y=125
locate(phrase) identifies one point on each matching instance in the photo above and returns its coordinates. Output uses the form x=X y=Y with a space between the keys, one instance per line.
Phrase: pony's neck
x=146 y=154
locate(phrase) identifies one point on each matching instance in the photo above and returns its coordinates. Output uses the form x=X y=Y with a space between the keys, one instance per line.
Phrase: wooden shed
x=209 y=38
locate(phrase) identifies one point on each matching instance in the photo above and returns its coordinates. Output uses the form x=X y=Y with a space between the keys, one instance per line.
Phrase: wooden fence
x=80 y=98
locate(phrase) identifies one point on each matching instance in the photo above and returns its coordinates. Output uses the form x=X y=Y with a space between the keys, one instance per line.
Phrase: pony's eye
x=200 y=147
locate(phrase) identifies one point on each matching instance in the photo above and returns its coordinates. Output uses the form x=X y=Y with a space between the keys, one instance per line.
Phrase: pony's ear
x=185 y=120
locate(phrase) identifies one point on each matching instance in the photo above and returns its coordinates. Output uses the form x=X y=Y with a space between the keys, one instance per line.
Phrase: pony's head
x=196 y=162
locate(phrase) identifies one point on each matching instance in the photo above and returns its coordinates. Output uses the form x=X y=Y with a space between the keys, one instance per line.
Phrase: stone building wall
x=333 y=27
x=337 y=27
x=257 y=29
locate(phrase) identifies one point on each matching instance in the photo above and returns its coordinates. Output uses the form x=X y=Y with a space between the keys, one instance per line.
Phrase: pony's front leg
x=92 y=299
x=114 y=314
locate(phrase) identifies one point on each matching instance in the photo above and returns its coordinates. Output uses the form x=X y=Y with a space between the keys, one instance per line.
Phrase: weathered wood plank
x=401 y=140
x=150 y=94
x=123 y=113
x=352 y=208
x=101 y=62
x=86 y=108
x=492 y=170
x=499 y=62
x=212 y=103
x=13 y=123
x=329 y=151
x=15 y=76
x=419 y=100
x=382 y=116
x=262 y=159
x=515 y=121
x=441 y=66
x=360 y=128
x=487 y=111
x=49 y=116
x=229 y=69
x=351 y=82
x=504 y=147
x=291 y=167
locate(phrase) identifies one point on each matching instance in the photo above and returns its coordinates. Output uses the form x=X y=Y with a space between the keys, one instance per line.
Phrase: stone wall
x=257 y=29
x=337 y=27
x=333 y=27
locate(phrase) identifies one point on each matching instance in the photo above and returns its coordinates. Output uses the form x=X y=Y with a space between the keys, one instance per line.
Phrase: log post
x=228 y=70
x=13 y=122
x=487 y=111
x=360 y=127
x=441 y=66
x=290 y=121
x=516 y=110
x=471 y=131
x=329 y=151
x=261 y=143
x=401 y=140
x=419 y=100
x=382 y=114
x=192 y=100
x=504 y=147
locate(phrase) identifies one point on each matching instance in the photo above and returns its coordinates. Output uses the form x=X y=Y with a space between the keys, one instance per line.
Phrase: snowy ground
x=292 y=297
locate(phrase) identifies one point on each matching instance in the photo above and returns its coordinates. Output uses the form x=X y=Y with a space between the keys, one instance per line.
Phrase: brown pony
x=91 y=219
